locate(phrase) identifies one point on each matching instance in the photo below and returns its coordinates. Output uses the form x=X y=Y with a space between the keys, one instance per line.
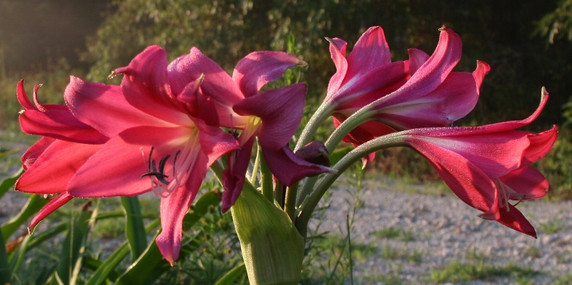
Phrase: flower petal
x=217 y=85
x=174 y=207
x=467 y=181
x=53 y=168
x=526 y=183
x=104 y=107
x=53 y=120
x=233 y=175
x=288 y=168
x=49 y=208
x=280 y=110
x=514 y=219
x=452 y=100
x=145 y=85
x=338 y=54
x=432 y=73
x=114 y=170
x=370 y=51
x=260 y=67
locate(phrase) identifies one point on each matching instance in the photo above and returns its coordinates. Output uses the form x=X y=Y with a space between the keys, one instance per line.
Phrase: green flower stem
x=256 y=164
x=359 y=117
x=290 y=202
x=356 y=119
x=309 y=130
x=310 y=203
x=267 y=183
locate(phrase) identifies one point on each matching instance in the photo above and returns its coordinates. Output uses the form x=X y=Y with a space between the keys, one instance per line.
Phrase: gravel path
x=442 y=230
x=446 y=230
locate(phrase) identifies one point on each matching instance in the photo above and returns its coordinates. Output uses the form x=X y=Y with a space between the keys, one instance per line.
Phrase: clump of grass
x=395 y=234
x=391 y=253
x=464 y=272
x=552 y=226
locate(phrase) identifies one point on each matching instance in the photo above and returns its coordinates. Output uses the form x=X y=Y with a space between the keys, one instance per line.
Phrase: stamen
x=159 y=183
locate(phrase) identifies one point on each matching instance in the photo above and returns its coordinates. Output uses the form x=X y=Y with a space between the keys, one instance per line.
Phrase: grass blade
x=151 y=264
x=134 y=227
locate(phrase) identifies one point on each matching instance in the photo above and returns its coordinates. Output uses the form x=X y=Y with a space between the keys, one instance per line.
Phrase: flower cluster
x=161 y=130
x=166 y=124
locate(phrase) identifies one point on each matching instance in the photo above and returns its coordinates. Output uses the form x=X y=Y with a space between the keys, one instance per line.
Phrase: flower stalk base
x=272 y=248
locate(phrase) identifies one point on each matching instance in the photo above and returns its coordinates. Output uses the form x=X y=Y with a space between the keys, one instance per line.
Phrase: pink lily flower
x=272 y=115
x=157 y=140
x=488 y=166
x=419 y=92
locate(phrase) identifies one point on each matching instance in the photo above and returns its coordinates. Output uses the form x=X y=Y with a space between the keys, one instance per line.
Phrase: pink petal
x=215 y=142
x=452 y=100
x=174 y=207
x=233 y=175
x=496 y=154
x=49 y=208
x=416 y=59
x=54 y=167
x=511 y=125
x=114 y=170
x=217 y=85
x=280 y=110
x=258 y=68
x=53 y=120
x=467 y=181
x=369 y=52
x=514 y=219
x=432 y=73
x=145 y=86
x=288 y=168
x=338 y=54
x=104 y=107
x=368 y=87
x=540 y=144
x=527 y=182
x=35 y=151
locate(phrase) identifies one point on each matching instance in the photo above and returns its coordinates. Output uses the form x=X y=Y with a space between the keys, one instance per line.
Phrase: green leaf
x=134 y=227
x=9 y=182
x=106 y=269
x=230 y=277
x=5 y=272
x=151 y=264
x=73 y=246
x=35 y=203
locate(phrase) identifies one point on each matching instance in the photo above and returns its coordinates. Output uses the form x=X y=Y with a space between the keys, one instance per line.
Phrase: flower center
x=160 y=182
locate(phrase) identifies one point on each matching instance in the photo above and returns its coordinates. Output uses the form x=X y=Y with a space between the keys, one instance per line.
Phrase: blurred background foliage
x=527 y=45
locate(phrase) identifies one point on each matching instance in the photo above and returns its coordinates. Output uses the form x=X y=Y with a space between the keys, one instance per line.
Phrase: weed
x=464 y=272
x=395 y=234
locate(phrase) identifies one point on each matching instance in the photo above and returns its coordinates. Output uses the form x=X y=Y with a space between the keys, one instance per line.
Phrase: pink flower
x=158 y=140
x=419 y=92
x=272 y=115
x=489 y=165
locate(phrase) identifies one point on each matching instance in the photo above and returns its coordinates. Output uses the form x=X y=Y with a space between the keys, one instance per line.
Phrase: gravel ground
x=443 y=228
x=446 y=230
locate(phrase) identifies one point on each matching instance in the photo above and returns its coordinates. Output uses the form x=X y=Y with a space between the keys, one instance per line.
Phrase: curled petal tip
x=543 y=93
x=112 y=75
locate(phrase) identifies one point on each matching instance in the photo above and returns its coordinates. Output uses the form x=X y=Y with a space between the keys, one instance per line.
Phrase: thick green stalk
x=309 y=130
x=272 y=248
